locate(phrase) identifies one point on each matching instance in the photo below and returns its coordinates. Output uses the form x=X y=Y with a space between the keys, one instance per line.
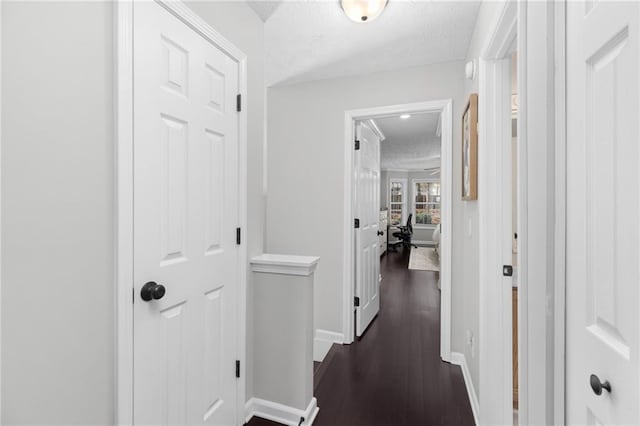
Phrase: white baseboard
x=423 y=243
x=280 y=413
x=323 y=341
x=458 y=358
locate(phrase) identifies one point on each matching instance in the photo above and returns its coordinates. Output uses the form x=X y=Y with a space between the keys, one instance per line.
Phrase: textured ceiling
x=411 y=144
x=311 y=40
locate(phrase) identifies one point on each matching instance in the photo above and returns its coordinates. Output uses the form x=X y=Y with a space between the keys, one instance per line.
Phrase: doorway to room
x=411 y=220
x=395 y=314
x=398 y=201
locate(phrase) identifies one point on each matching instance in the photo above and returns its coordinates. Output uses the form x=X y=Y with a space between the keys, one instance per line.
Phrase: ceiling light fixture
x=363 y=10
x=405 y=116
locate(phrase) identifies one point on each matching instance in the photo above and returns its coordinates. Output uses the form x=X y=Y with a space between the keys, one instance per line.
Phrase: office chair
x=404 y=234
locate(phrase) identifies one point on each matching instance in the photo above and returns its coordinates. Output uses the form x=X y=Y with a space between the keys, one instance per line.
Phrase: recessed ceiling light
x=363 y=10
x=405 y=116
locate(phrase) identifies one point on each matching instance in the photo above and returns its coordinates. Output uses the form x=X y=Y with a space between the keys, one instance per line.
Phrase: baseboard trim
x=458 y=358
x=281 y=413
x=322 y=343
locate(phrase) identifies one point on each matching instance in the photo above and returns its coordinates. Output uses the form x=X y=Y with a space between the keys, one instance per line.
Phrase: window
x=397 y=201
x=426 y=202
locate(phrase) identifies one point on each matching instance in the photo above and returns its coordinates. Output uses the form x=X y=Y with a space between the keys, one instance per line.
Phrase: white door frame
x=541 y=170
x=123 y=214
x=494 y=138
x=560 y=188
x=446 y=176
x=542 y=189
x=1 y=6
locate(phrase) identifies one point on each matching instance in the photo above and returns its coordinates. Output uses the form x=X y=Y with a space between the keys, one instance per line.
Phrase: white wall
x=465 y=306
x=57 y=214
x=57 y=202
x=306 y=167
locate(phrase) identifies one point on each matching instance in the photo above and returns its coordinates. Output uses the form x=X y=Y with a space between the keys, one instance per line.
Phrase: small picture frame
x=470 y=149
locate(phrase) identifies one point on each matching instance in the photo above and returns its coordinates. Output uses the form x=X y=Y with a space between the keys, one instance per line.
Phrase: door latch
x=507 y=270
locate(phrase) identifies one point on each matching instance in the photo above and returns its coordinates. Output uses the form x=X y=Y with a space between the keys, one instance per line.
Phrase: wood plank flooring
x=394 y=375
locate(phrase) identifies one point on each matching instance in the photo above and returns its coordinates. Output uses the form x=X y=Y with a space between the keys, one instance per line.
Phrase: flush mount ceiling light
x=405 y=116
x=363 y=10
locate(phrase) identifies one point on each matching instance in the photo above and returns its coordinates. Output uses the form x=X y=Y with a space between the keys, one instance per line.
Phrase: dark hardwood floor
x=394 y=375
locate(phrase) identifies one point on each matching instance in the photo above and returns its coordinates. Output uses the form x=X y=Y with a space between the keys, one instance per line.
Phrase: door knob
x=152 y=291
x=597 y=386
x=380 y=232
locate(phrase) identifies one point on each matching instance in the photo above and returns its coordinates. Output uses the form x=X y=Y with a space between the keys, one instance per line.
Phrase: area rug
x=424 y=259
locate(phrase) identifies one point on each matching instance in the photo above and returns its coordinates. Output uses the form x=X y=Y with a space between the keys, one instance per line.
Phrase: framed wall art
x=470 y=149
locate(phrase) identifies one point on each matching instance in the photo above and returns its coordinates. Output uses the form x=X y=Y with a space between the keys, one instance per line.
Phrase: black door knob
x=152 y=291
x=597 y=386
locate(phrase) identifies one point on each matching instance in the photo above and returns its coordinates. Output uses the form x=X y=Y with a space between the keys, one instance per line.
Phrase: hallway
x=394 y=375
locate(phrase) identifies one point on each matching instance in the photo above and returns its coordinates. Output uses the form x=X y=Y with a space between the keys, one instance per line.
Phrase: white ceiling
x=264 y=8
x=411 y=144
x=310 y=40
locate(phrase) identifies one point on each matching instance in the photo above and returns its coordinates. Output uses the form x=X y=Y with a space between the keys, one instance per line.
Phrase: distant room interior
x=410 y=175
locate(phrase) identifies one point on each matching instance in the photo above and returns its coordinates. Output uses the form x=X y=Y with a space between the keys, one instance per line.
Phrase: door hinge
x=133 y=295
x=507 y=270
x=238 y=239
x=356 y=302
x=239 y=102
x=356 y=223
x=237 y=368
x=357 y=145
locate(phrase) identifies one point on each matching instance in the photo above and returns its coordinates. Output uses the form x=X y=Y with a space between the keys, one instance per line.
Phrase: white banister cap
x=284 y=264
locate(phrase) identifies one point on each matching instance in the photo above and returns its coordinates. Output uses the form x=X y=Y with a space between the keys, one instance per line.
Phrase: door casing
x=495 y=227
x=123 y=212
x=446 y=173
x=541 y=191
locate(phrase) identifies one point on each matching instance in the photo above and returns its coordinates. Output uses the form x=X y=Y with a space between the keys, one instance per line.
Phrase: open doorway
x=423 y=192
x=502 y=230
x=397 y=194
x=410 y=188
x=411 y=330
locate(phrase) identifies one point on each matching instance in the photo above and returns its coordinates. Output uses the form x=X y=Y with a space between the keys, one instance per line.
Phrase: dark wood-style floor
x=393 y=375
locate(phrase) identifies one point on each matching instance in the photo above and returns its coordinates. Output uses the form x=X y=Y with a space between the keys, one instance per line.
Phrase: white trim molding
x=458 y=358
x=494 y=217
x=560 y=212
x=284 y=264
x=1 y=6
x=541 y=205
x=281 y=413
x=123 y=210
x=495 y=324
x=445 y=107
x=423 y=242
x=322 y=342
x=377 y=130
x=123 y=86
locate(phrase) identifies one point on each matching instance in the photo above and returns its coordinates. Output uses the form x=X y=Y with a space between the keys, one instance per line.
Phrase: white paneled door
x=367 y=201
x=185 y=218
x=603 y=213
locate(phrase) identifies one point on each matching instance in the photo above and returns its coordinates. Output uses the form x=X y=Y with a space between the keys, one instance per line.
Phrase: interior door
x=185 y=219
x=603 y=213
x=367 y=189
